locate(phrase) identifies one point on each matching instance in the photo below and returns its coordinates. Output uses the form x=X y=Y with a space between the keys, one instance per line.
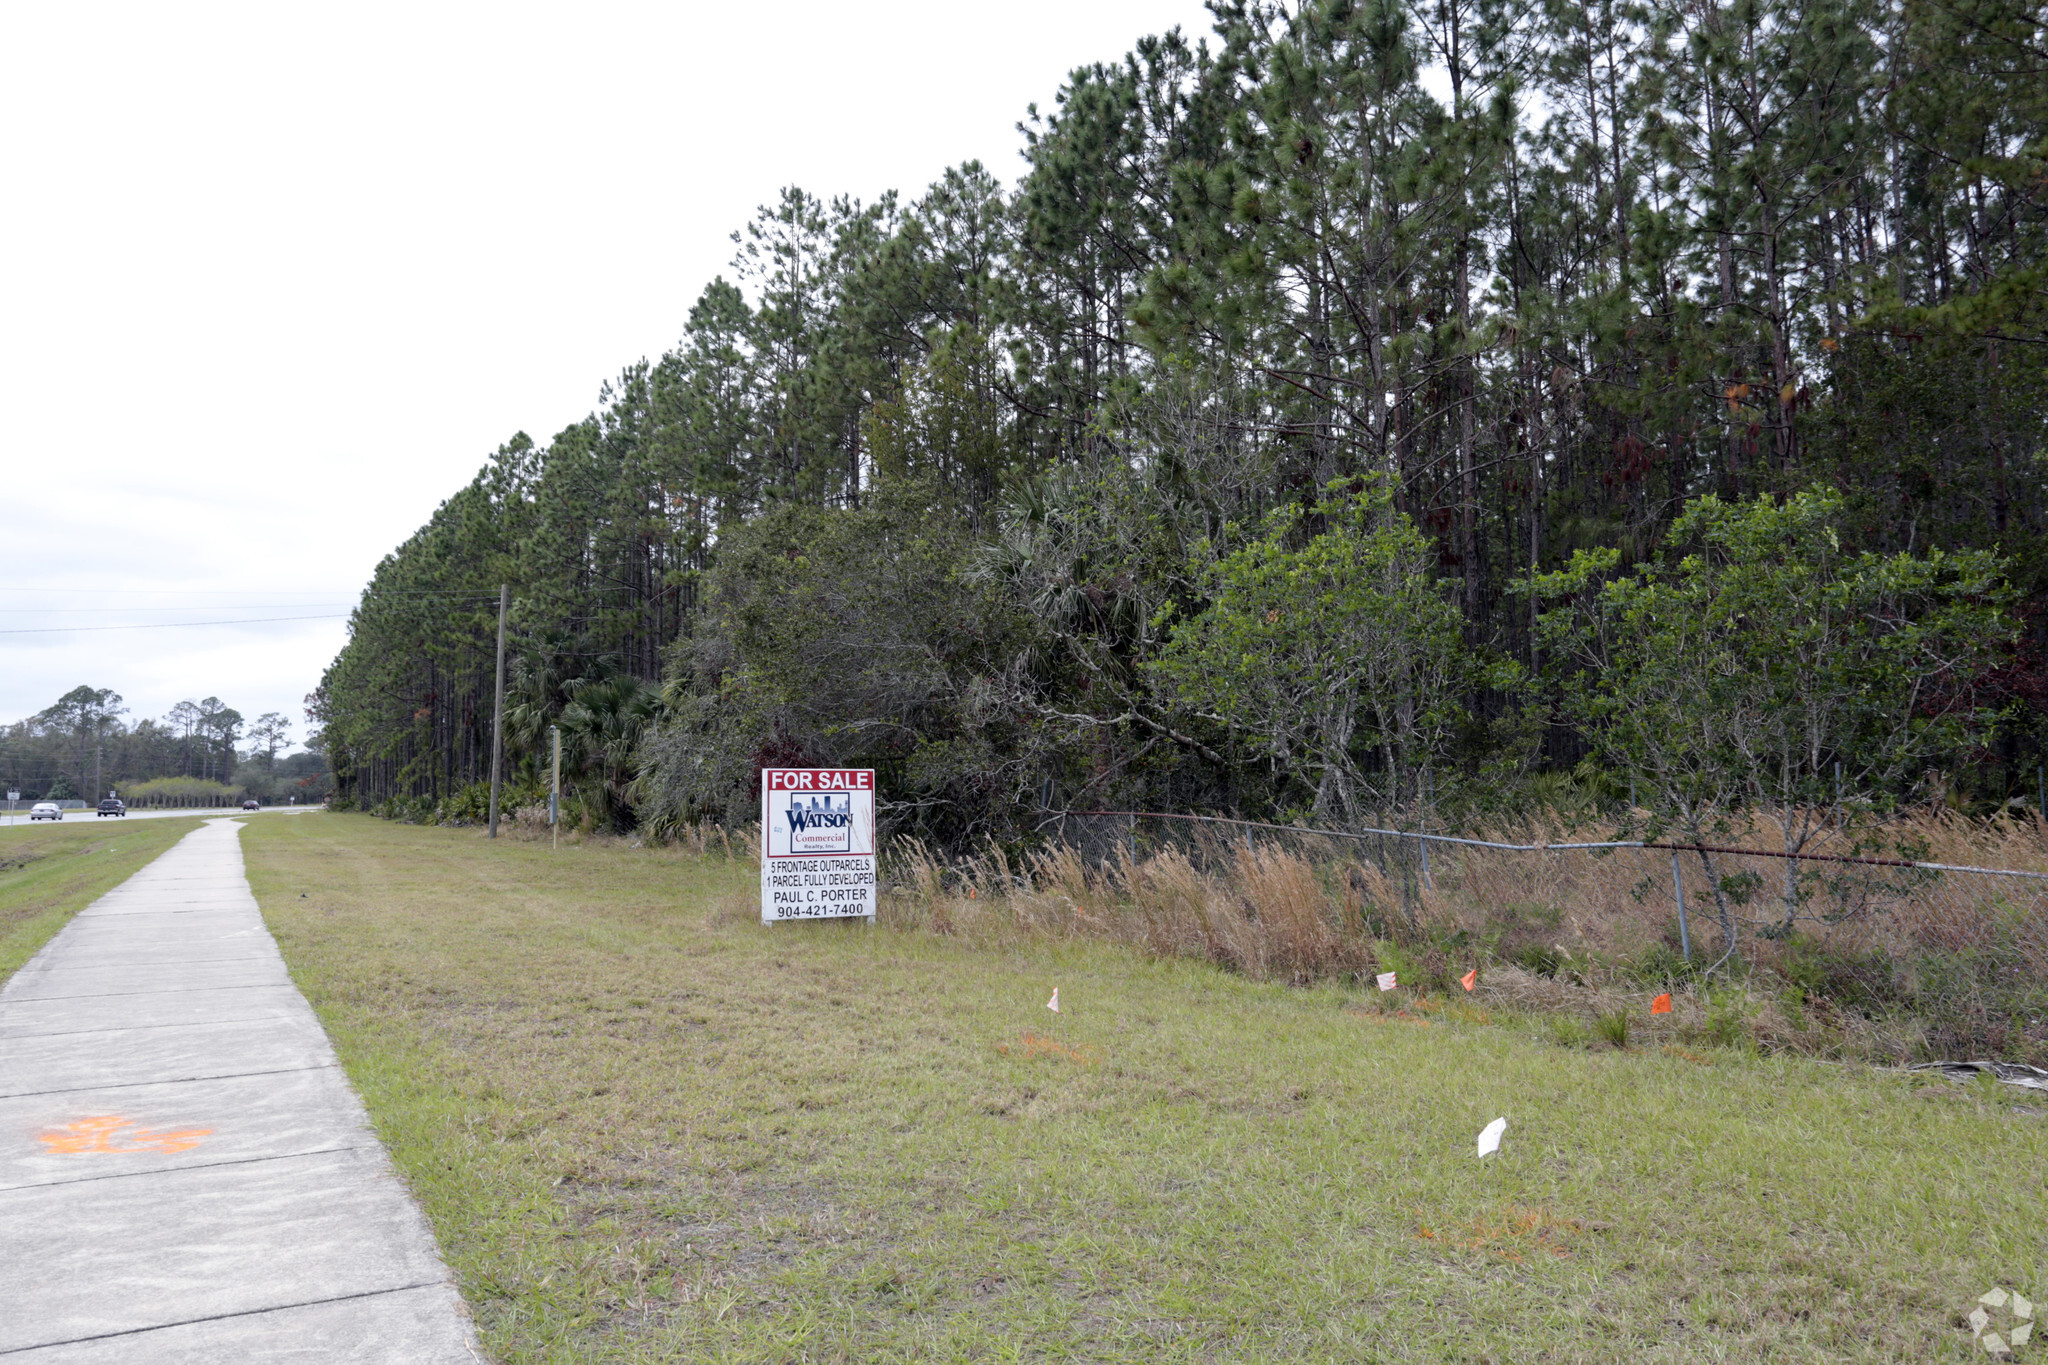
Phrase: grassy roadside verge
x=49 y=872
x=647 y=1129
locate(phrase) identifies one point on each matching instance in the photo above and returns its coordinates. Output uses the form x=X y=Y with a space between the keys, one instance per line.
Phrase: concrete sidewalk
x=185 y=1175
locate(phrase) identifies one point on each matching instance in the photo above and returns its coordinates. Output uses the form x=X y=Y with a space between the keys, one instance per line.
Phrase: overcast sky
x=275 y=279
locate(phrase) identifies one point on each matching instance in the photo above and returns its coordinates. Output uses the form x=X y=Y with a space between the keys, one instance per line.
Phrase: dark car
x=252 y=804
x=112 y=807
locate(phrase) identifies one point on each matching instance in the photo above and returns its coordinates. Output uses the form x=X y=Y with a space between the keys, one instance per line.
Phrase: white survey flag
x=1489 y=1136
x=1386 y=980
x=1054 y=1003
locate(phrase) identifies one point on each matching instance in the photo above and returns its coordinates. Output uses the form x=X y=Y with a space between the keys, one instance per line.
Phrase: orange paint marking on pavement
x=102 y=1133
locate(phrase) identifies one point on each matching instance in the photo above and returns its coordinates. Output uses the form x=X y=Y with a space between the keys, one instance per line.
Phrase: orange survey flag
x=1662 y=1004
x=1469 y=979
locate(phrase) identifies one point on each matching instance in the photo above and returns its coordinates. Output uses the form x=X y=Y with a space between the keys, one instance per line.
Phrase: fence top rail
x=1366 y=833
x=1374 y=833
x=1851 y=858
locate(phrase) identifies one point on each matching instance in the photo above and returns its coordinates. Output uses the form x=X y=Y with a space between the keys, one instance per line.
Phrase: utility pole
x=555 y=790
x=498 y=709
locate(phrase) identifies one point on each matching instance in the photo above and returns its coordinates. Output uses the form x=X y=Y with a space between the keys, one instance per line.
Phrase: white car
x=46 y=810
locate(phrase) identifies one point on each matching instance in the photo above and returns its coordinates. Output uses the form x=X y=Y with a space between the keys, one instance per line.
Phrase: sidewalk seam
x=137 y=1028
x=222 y=1317
x=120 y=995
x=173 y=1170
x=174 y=1080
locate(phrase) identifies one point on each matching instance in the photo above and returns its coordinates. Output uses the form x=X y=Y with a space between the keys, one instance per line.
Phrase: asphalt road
x=72 y=817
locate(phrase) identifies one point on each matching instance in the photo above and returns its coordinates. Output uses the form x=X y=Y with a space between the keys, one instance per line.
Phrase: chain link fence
x=1959 y=948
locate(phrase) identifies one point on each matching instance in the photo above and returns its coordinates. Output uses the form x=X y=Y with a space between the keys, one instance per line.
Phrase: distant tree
x=89 y=708
x=182 y=721
x=88 y=715
x=267 y=734
x=220 y=725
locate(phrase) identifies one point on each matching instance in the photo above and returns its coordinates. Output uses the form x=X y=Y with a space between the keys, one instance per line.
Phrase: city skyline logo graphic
x=820 y=822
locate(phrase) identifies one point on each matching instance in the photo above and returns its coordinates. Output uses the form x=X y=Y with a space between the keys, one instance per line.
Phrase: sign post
x=555 y=789
x=817 y=844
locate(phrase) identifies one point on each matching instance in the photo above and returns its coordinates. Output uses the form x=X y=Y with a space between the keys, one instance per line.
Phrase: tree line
x=1371 y=406
x=81 y=746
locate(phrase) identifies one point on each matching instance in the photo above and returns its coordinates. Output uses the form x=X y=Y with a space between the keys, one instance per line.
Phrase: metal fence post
x=1678 y=889
x=1422 y=844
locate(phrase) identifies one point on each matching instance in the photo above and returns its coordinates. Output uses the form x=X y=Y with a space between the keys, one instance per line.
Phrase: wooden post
x=555 y=790
x=498 y=709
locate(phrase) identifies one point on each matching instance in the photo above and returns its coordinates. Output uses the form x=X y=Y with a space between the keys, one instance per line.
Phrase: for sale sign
x=817 y=843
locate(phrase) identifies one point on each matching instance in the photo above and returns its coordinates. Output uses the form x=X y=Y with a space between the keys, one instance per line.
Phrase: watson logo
x=819 y=824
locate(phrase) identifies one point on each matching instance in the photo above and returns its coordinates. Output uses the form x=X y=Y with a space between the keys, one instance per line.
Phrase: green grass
x=49 y=872
x=647 y=1129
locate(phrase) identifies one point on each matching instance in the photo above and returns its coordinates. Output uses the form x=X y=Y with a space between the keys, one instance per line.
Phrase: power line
x=176 y=606
x=188 y=592
x=201 y=606
x=164 y=625
x=346 y=594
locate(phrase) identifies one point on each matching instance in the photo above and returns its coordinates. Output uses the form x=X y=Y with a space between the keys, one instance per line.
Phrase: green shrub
x=1539 y=958
x=1432 y=967
x=1867 y=982
x=1661 y=965
x=1389 y=956
x=1613 y=1027
x=1730 y=1020
x=409 y=810
x=469 y=806
x=172 y=791
x=1568 y=1030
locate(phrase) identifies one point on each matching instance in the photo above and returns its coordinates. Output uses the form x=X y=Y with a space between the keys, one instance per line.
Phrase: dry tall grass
x=1266 y=911
x=1876 y=960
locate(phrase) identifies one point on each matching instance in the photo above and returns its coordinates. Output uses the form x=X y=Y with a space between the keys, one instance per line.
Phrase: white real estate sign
x=818 y=843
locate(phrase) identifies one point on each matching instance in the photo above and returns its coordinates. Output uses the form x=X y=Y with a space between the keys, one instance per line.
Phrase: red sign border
x=867 y=786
